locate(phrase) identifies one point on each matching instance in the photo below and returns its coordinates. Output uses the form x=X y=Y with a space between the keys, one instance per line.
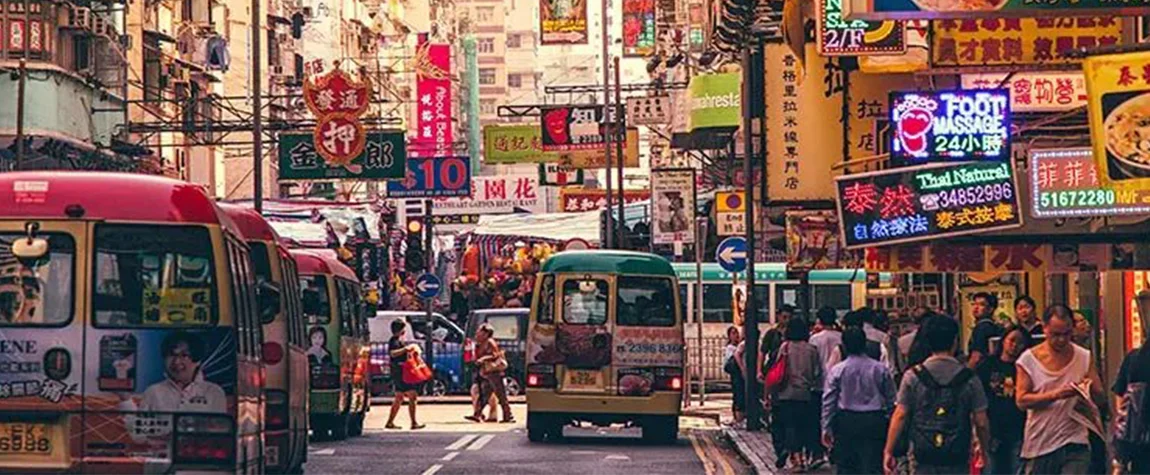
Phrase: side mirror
x=268 y=296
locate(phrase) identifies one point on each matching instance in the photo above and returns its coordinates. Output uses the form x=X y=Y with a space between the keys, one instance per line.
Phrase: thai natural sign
x=1065 y=183
x=839 y=37
x=927 y=202
x=949 y=125
x=384 y=156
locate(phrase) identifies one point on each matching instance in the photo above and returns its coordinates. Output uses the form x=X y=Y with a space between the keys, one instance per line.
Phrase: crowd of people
x=1023 y=397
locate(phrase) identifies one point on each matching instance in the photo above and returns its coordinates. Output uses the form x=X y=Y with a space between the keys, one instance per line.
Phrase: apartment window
x=486 y=106
x=486 y=45
x=16 y=37
x=153 y=90
x=514 y=80
x=484 y=14
x=514 y=40
x=486 y=76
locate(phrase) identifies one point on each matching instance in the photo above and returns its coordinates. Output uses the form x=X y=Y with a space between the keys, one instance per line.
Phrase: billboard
x=1018 y=41
x=433 y=177
x=638 y=27
x=1119 y=106
x=673 y=213
x=384 y=156
x=434 y=129
x=1034 y=91
x=987 y=9
x=1065 y=183
x=524 y=144
x=839 y=37
x=563 y=22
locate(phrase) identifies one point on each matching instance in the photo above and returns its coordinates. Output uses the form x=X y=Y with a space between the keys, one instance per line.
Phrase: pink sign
x=433 y=109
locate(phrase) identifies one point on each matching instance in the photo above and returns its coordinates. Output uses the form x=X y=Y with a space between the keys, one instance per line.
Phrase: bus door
x=583 y=335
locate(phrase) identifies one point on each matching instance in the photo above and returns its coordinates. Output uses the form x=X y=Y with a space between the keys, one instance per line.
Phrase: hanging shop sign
x=1065 y=183
x=433 y=177
x=1119 y=106
x=384 y=156
x=563 y=22
x=839 y=37
x=1034 y=91
x=813 y=242
x=553 y=174
x=673 y=210
x=491 y=195
x=927 y=202
x=639 y=29
x=337 y=101
x=649 y=110
x=433 y=122
x=870 y=129
x=967 y=9
x=524 y=144
x=715 y=101
x=731 y=213
x=1053 y=258
x=949 y=126
x=571 y=128
x=1019 y=41
x=577 y=201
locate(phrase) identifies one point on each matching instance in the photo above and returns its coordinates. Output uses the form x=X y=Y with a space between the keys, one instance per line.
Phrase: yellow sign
x=1013 y=41
x=1119 y=106
x=594 y=158
x=177 y=306
x=870 y=118
x=730 y=202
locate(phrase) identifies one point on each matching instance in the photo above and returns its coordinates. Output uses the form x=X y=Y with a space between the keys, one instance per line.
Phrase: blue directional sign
x=732 y=254
x=427 y=286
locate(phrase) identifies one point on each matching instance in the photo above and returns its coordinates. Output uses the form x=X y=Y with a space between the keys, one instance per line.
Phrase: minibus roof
x=251 y=224
x=314 y=263
x=608 y=262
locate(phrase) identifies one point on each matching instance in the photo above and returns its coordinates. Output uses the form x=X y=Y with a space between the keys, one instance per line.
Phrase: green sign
x=515 y=144
x=383 y=157
x=715 y=101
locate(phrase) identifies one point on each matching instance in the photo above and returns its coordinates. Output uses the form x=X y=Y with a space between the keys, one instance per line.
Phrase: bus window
x=717 y=303
x=546 y=307
x=346 y=315
x=836 y=296
x=316 y=304
x=40 y=294
x=684 y=290
x=260 y=263
x=585 y=302
x=157 y=276
x=645 y=301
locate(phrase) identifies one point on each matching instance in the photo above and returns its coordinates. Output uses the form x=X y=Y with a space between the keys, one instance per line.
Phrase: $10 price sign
x=926 y=202
x=433 y=177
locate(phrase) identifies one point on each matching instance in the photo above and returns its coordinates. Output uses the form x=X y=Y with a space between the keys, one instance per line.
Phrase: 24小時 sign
x=949 y=126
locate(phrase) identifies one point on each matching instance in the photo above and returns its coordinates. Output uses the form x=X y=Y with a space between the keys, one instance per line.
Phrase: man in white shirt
x=829 y=337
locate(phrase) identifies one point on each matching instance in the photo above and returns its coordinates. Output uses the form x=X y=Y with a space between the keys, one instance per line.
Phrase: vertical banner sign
x=673 y=196
x=839 y=37
x=433 y=177
x=435 y=134
x=571 y=128
x=950 y=126
x=1119 y=106
x=927 y=202
x=1019 y=41
x=638 y=27
x=1065 y=183
x=337 y=101
x=563 y=22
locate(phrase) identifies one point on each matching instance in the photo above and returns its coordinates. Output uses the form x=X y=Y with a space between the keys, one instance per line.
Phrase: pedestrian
x=773 y=338
x=830 y=337
x=733 y=368
x=998 y=376
x=794 y=401
x=1026 y=315
x=856 y=405
x=1083 y=332
x=874 y=348
x=1052 y=376
x=1132 y=424
x=493 y=368
x=476 y=384
x=983 y=305
x=399 y=352
x=939 y=402
x=904 y=342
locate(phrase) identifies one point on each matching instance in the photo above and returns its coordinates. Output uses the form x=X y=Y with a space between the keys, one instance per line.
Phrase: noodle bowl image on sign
x=949 y=126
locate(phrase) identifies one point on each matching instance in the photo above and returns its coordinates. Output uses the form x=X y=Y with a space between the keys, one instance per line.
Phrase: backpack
x=1131 y=434
x=940 y=425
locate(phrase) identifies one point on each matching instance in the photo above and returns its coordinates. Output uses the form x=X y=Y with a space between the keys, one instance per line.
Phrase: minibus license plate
x=24 y=438
x=583 y=380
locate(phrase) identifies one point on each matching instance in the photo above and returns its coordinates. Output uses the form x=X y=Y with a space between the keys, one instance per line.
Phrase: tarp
x=303 y=233
x=560 y=227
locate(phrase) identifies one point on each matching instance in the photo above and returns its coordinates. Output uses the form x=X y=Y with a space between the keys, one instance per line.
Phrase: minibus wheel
x=356 y=425
x=538 y=425
x=660 y=429
x=339 y=427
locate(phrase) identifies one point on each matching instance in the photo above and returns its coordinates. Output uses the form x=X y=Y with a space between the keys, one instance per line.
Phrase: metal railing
x=711 y=365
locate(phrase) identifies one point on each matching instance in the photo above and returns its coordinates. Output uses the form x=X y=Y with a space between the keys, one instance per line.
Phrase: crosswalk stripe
x=432 y=469
x=480 y=442
x=461 y=442
x=450 y=456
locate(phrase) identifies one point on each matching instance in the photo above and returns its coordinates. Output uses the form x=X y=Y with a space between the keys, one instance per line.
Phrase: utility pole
x=753 y=102
x=621 y=127
x=609 y=231
x=27 y=43
x=257 y=110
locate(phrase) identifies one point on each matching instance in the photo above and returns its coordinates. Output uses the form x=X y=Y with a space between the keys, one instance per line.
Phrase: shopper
x=857 y=400
x=1132 y=404
x=983 y=305
x=904 y=342
x=399 y=352
x=874 y=348
x=939 y=402
x=998 y=376
x=830 y=337
x=1050 y=378
x=493 y=368
x=733 y=368
x=1026 y=315
x=795 y=404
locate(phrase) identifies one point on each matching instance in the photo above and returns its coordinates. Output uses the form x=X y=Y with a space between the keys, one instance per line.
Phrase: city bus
x=338 y=346
x=605 y=344
x=284 y=348
x=130 y=336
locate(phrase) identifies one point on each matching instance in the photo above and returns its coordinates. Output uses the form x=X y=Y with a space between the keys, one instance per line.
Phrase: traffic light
x=413 y=259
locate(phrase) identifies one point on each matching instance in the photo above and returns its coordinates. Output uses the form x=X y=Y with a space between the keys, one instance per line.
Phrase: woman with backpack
x=796 y=404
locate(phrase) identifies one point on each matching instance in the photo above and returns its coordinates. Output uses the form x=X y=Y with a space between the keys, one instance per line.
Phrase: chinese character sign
x=337 y=101
x=966 y=9
x=926 y=202
x=1034 y=91
x=638 y=27
x=433 y=102
x=1019 y=41
x=673 y=210
x=383 y=156
x=1065 y=183
x=563 y=22
x=569 y=128
x=496 y=195
x=1119 y=106
x=839 y=37
x=949 y=125
x=576 y=201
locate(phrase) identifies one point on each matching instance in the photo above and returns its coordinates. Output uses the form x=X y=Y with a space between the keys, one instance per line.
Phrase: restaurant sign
x=1034 y=91
x=949 y=125
x=1018 y=41
x=577 y=201
x=965 y=9
x=926 y=202
x=1119 y=106
x=839 y=37
x=384 y=156
x=1064 y=183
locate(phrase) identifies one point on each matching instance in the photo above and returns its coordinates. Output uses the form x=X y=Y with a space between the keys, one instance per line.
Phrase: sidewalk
x=453 y=399
x=755 y=448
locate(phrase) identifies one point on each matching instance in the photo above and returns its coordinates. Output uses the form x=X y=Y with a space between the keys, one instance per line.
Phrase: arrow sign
x=427 y=286
x=732 y=254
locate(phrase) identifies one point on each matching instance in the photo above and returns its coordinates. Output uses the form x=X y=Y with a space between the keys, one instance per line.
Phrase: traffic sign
x=730 y=212
x=427 y=286
x=732 y=254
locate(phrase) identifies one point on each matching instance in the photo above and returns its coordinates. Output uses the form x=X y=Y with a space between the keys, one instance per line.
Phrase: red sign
x=337 y=101
x=433 y=106
x=339 y=139
x=575 y=201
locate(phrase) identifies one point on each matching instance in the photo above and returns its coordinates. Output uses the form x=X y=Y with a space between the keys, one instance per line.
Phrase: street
x=451 y=445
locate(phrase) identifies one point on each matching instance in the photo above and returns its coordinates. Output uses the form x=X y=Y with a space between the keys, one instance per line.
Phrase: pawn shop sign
x=337 y=101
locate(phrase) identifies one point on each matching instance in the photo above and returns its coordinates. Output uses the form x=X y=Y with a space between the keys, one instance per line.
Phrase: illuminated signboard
x=1065 y=183
x=839 y=37
x=926 y=202
x=949 y=126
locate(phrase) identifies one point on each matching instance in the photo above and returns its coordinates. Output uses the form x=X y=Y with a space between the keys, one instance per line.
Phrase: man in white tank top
x=1050 y=376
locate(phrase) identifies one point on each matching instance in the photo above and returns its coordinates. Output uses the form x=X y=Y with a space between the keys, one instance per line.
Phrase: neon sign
x=1065 y=183
x=926 y=202
x=949 y=125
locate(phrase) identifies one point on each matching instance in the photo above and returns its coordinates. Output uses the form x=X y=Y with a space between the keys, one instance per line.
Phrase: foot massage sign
x=926 y=202
x=949 y=126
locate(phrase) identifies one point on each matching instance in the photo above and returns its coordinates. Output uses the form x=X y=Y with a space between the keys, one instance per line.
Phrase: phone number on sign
x=974 y=195
x=1075 y=198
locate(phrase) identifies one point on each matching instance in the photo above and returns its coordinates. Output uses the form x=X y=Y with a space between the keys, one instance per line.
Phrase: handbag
x=497 y=365
x=777 y=373
x=415 y=370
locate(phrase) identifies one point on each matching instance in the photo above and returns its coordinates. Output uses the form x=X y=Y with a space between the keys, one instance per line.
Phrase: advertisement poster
x=1119 y=107
x=638 y=27
x=715 y=101
x=673 y=195
x=968 y=9
x=1019 y=41
x=648 y=346
x=1035 y=91
x=434 y=133
x=839 y=37
x=563 y=22
x=570 y=128
x=577 y=201
x=383 y=157
x=949 y=126
x=433 y=178
x=1065 y=183
x=927 y=202
x=813 y=242
x=553 y=174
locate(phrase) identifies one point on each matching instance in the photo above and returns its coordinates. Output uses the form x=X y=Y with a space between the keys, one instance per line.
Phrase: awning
x=559 y=227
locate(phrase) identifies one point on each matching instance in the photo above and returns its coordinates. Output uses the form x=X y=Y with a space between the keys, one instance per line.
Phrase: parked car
x=446 y=351
x=510 y=326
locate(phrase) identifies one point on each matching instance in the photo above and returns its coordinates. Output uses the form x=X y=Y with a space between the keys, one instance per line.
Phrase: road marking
x=617 y=457
x=461 y=442
x=718 y=454
x=708 y=466
x=480 y=442
x=432 y=469
x=449 y=456
x=322 y=452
